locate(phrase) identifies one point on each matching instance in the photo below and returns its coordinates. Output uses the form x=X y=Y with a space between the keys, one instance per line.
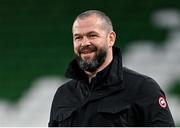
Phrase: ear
x=111 y=38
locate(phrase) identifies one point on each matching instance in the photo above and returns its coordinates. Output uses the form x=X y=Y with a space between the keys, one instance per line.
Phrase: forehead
x=85 y=24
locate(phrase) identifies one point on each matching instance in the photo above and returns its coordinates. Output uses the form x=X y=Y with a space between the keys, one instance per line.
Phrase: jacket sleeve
x=153 y=106
x=54 y=107
x=52 y=121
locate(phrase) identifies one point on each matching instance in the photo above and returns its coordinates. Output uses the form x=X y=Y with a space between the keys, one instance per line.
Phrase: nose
x=85 y=41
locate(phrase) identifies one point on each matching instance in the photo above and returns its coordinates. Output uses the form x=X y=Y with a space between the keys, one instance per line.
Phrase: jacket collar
x=114 y=75
x=116 y=72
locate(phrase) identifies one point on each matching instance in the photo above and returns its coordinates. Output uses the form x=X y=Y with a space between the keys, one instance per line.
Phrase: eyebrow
x=91 y=32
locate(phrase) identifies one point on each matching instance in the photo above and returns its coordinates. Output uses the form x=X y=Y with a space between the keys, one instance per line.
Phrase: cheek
x=103 y=44
x=76 y=49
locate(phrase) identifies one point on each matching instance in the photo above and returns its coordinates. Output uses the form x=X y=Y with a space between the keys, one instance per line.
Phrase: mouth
x=87 y=55
x=87 y=49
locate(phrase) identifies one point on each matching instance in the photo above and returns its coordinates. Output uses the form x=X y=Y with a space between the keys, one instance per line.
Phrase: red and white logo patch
x=162 y=102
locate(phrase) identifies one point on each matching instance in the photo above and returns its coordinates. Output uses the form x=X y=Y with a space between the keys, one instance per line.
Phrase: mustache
x=87 y=48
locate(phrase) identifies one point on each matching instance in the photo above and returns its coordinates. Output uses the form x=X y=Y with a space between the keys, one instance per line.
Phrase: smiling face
x=92 y=42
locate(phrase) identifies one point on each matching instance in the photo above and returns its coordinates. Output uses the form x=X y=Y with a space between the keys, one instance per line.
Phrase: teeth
x=87 y=52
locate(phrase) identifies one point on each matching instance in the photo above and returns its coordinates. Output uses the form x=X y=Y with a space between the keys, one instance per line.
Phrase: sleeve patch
x=162 y=102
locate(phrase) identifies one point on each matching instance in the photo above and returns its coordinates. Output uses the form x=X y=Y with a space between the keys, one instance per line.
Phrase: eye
x=93 y=35
x=77 y=37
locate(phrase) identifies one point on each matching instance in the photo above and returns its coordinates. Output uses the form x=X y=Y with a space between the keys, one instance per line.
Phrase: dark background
x=36 y=40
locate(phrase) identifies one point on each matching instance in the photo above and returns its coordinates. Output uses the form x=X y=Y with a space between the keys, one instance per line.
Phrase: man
x=102 y=92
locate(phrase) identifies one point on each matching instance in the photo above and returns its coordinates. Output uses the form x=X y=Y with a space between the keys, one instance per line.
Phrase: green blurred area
x=35 y=35
x=175 y=90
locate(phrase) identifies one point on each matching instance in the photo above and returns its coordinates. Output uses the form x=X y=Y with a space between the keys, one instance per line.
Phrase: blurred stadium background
x=36 y=47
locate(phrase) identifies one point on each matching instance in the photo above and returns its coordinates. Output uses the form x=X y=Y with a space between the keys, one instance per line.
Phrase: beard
x=95 y=62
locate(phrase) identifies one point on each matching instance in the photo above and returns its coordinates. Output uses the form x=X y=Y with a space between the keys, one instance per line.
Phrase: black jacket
x=117 y=96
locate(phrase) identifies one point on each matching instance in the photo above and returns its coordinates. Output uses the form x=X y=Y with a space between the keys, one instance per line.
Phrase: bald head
x=106 y=22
